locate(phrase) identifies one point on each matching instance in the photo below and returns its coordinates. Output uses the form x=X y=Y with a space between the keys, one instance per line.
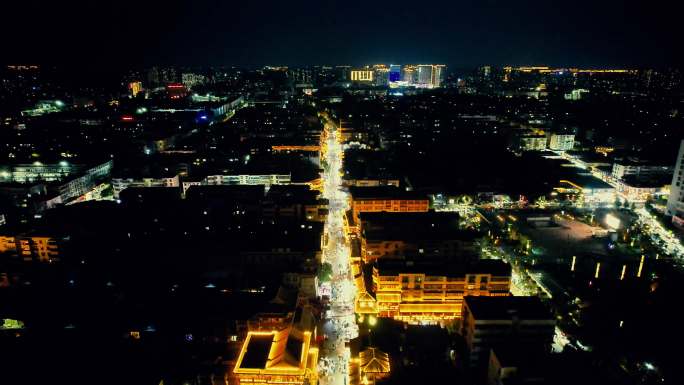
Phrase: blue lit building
x=394 y=73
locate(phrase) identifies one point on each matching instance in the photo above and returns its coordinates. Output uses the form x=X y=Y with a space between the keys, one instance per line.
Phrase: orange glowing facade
x=30 y=248
x=386 y=198
x=417 y=297
x=135 y=88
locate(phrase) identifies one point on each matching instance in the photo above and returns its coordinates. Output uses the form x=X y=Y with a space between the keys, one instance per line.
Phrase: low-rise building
x=294 y=201
x=277 y=357
x=641 y=190
x=632 y=167
x=280 y=348
x=121 y=183
x=520 y=322
x=424 y=234
x=371 y=182
x=431 y=292
x=248 y=179
x=592 y=191
x=386 y=198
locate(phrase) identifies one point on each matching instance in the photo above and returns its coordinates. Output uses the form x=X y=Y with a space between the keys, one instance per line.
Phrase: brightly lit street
x=339 y=323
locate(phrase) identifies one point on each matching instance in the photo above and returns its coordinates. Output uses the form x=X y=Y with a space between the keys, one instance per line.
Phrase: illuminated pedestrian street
x=339 y=325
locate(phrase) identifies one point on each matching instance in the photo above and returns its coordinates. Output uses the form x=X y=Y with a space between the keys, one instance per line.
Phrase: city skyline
x=213 y=192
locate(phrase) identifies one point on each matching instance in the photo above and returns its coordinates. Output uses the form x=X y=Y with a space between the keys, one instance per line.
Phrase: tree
x=325 y=272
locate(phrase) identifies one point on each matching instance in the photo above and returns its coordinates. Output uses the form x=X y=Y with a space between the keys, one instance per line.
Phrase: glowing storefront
x=430 y=294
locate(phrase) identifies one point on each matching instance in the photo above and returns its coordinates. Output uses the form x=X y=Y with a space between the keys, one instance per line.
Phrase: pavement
x=339 y=323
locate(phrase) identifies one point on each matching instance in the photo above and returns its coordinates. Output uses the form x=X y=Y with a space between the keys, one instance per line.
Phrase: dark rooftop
x=503 y=308
x=250 y=193
x=442 y=267
x=284 y=194
x=414 y=226
x=256 y=355
x=384 y=192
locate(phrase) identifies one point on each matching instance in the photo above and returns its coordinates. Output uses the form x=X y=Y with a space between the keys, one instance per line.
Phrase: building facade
x=120 y=184
x=634 y=168
x=30 y=248
x=277 y=357
x=520 y=322
x=675 y=203
x=362 y=75
x=562 y=142
x=426 y=294
x=385 y=198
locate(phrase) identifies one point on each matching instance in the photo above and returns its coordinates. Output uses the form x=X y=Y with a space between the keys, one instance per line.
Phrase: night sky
x=250 y=32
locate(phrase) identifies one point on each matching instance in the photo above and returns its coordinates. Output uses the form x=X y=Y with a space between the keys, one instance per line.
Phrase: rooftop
x=385 y=192
x=284 y=194
x=442 y=267
x=414 y=226
x=588 y=181
x=284 y=349
x=504 y=308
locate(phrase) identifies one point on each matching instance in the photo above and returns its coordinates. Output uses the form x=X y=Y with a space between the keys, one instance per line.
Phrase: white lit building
x=632 y=167
x=120 y=184
x=424 y=75
x=430 y=75
x=529 y=142
x=675 y=204
x=217 y=180
x=562 y=142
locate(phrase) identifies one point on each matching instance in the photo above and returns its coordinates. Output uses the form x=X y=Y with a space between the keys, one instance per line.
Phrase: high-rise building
x=438 y=72
x=430 y=75
x=381 y=73
x=301 y=75
x=409 y=74
x=675 y=204
x=424 y=75
x=394 y=73
x=135 y=88
x=342 y=73
x=157 y=76
x=362 y=75
x=190 y=79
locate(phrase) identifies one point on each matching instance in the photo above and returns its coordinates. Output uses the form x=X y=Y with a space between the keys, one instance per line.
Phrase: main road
x=339 y=325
